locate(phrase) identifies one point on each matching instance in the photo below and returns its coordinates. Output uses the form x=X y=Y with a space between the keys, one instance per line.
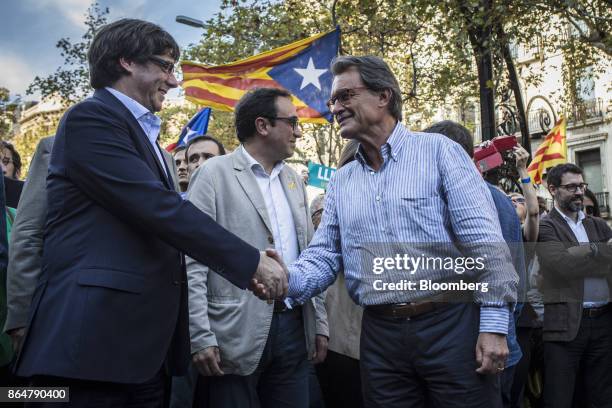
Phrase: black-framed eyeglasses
x=589 y=209
x=317 y=212
x=293 y=121
x=572 y=188
x=343 y=96
x=166 y=66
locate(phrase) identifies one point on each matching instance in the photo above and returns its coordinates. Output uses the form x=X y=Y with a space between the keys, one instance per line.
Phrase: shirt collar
x=391 y=148
x=257 y=167
x=140 y=113
x=581 y=216
x=135 y=108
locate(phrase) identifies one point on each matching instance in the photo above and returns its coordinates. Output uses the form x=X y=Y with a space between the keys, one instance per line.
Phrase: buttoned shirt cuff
x=494 y=319
x=203 y=342
x=295 y=287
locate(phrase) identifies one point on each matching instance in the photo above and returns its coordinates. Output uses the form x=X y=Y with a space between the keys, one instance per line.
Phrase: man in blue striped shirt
x=411 y=194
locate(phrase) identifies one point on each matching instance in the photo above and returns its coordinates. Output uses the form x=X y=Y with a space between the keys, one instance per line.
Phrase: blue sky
x=29 y=30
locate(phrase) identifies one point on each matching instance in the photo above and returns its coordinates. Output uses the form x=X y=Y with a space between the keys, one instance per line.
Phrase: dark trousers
x=532 y=362
x=431 y=357
x=96 y=394
x=9 y=379
x=590 y=353
x=315 y=398
x=506 y=380
x=281 y=377
x=183 y=389
x=340 y=381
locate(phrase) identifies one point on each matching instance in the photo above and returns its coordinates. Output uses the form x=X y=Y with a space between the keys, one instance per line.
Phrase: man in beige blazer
x=255 y=353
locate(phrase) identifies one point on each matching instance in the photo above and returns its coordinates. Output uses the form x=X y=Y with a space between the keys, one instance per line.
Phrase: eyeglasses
x=572 y=188
x=293 y=121
x=589 y=209
x=518 y=200
x=166 y=66
x=343 y=96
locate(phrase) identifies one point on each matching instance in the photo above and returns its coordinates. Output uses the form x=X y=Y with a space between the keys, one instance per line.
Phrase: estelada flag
x=197 y=126
x=301 y=68
x=551 y=152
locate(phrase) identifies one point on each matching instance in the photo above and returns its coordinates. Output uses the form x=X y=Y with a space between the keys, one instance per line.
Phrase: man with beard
x=575 y=254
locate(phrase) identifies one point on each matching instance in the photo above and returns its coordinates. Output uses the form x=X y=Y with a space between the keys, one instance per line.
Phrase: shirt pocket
x=220 y=290
x=424 y=215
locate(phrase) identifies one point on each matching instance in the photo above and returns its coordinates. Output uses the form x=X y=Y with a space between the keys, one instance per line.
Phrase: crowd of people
x=201 y=277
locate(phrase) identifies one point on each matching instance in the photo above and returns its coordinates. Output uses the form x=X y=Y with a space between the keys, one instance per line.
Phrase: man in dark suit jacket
x=575 y=254
x=109 y=315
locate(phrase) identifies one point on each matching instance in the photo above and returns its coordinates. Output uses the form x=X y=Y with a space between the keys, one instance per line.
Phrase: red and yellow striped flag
x=301 y=68
x=551 y=152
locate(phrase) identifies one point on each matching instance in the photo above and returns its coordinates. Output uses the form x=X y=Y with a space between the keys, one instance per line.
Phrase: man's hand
x=270 y=279
x=17 y=338
x=321 y=349
x=207 y=361
x=491 y=353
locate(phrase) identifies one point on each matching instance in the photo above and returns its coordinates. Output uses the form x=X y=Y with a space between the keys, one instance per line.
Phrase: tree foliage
x=434 y=47
x=6 y=113
x=70 y=82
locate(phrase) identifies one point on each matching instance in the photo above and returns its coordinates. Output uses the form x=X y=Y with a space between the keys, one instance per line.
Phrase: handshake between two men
x=271 y=280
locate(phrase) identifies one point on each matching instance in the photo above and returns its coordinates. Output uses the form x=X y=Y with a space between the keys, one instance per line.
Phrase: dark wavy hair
x=134 y=40
x=202 y=138
x=554 y=175
x=260 y=102
x=14 y=156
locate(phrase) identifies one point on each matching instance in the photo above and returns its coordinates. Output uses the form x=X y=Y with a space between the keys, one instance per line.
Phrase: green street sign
x=319 y=175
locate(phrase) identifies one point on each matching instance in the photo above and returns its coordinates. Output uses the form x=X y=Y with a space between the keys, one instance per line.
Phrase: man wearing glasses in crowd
x=255 y=354
x=109 y=316
x=406 y=188
x=575 y=254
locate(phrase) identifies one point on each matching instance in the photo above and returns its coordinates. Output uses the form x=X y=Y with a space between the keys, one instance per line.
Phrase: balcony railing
x=589 y=109
x=604 y=204
x=540 y=121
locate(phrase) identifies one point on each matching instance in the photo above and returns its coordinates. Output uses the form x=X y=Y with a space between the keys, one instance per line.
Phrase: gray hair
x=376 y=76
x=317 y=204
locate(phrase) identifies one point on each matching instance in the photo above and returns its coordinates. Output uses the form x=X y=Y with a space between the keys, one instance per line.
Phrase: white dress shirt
x=149 y=123
x=279 y=211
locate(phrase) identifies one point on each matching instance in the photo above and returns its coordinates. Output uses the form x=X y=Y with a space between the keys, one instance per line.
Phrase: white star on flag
x=310 y=75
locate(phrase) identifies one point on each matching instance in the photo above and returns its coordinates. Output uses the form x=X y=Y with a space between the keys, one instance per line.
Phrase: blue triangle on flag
x=197 y=126
x=307 y=75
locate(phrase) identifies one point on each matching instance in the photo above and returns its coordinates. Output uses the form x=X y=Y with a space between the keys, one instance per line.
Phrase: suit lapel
x=295 y=197
x=247 y=181
x=589 y=227
x=562 y=224
x=141 y=138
